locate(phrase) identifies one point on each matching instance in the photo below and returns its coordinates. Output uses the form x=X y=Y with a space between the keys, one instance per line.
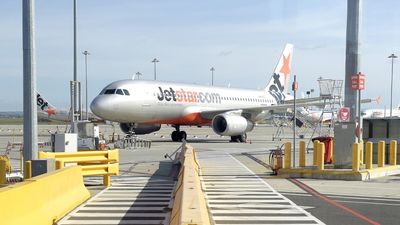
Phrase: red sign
x=295 y=86
x=358 y=81
x=344 y=114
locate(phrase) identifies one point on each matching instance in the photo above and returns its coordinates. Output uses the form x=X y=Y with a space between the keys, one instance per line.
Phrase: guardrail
x=133 y=142
x=44 y=199
x=189 y=199
x=93 y=163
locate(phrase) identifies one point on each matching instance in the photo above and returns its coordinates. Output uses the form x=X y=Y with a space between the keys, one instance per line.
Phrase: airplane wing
x=255 y=112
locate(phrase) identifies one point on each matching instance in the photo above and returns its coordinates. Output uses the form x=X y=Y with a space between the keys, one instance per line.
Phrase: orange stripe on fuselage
x=189 y=119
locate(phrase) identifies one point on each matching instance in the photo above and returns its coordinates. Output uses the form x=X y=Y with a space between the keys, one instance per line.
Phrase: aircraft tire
x=242 y=137
x=234 y=139
x=182 y=135
x=175 y=136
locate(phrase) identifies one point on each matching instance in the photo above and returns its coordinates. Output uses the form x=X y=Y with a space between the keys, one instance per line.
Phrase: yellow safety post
x=288 y=156
x=107 y=180
x=356 y=157
x=381 y=154
x=320 y=156
x=315 y=152
x=3 y=178
x=59 y=164
x=302 y=153
x=393 y=152
x=368 y=155
x=361 y=152
x=28 y=170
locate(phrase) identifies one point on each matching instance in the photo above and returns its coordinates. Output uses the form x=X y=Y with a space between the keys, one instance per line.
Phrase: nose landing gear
x=178 y=135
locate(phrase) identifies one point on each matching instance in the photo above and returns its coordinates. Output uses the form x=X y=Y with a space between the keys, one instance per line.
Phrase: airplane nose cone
x=97 y=106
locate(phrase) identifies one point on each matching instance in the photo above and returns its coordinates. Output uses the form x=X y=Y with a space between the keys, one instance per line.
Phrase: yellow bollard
x=361 y=152
x=320 y=155
x=356 y=157
x=393 y=153
x=59 y=164
x=315 y=152
x=28 y=170
x=3 y=178
x=288 y=156
x=381 y=154
x=368 y=155
x=107 y=180
x=302 y=153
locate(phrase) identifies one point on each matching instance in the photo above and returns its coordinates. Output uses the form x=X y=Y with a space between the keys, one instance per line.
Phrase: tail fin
x=280 y=78
x=44 y=106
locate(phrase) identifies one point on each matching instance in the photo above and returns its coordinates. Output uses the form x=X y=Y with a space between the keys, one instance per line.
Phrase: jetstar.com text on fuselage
x=182 y=95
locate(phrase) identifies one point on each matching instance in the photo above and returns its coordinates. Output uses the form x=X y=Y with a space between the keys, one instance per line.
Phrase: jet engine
x=139 y=128
x=231 y=125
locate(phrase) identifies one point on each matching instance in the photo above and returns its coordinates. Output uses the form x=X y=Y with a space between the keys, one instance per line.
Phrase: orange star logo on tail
x=50 y=111
x=285 y=68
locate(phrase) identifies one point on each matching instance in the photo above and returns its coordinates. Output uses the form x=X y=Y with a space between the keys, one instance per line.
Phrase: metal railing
x=133 y=142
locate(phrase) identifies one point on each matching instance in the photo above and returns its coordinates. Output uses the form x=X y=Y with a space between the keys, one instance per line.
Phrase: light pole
x=212 y=76
x=155 y=61
x=392 y=56
x=86 y=53
x=138 y=74
x=75 y=106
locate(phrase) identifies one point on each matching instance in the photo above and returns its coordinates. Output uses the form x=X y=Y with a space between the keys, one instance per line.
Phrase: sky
x=241 y=39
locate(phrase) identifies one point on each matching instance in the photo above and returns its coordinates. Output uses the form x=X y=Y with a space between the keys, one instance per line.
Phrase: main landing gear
x=239 y=138
x=178 y=135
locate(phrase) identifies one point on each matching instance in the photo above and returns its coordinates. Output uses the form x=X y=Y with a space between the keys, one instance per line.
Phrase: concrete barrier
x=44 y=199
x=189 y=199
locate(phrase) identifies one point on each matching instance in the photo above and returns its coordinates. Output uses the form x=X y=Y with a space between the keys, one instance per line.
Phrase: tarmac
x=376 y=201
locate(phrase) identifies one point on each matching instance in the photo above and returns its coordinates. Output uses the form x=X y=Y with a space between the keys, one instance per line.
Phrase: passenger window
x=119 y=92
x=126 y=92
x=109 y=91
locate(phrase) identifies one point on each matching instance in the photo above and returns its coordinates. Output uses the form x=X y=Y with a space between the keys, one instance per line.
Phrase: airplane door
x=147 y=104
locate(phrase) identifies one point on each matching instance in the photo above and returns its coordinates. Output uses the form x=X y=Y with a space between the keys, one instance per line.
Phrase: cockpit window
x=109 y=91
x=119 y=92
x=126 y=91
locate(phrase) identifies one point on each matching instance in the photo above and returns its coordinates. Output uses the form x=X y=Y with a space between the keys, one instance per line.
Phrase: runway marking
x=131 y=200
x=338 y=205
x=235 y=195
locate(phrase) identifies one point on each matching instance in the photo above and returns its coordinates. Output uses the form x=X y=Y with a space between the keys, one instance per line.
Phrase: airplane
x=380 y=113
x=141 y=106
x=47 y=111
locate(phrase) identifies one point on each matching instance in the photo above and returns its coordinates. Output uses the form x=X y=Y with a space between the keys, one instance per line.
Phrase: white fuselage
x=140 y=101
